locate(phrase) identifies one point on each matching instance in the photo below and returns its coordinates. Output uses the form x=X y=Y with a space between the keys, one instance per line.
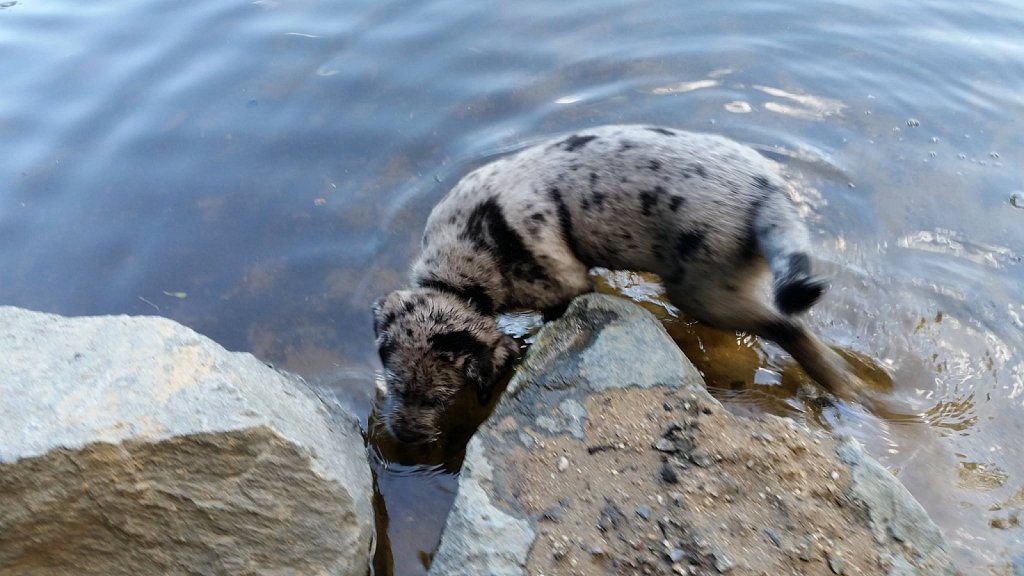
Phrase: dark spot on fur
x=478 y=368
x=796 y=290
x=575 y=142
x=675 y=203
x=689 y=243
x=654 y=165
x=409 y=307
x=626 y=236
x=749 y=247
x=488 y=230
x=593 y=179
x=470 y=291
x=762 y=183
x=661 y=131
x=574 y=167
x=648 y=200
x=799 y=265
x=538 y=217
x=457 y=342
x=700 y=171
x=585 y=204
x=799 y=294
x=598 y=200
x=626 y=145
x=564 y=218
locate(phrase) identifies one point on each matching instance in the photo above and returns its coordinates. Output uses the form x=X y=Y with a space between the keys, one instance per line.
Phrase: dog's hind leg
x=733 y=305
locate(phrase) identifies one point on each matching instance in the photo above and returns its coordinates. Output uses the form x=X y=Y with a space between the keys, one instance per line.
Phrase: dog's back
x=690 y=207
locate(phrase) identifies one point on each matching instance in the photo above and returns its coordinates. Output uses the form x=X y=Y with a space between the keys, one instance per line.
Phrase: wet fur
x=709 y=216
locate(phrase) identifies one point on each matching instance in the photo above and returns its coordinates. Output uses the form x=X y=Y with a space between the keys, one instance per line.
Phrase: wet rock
x=644 y=511
x=665 y=445
x=668 y=474
x=741 y=487
x=836 y=565
x=136 y=446
x=701 y=457
x=491 y=540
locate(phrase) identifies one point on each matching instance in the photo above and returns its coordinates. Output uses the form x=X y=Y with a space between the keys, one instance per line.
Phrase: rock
x=136 y=446
x=563 y=464
x=755 y=489
x=484 y=538
x=644 y=511
x=893 y=513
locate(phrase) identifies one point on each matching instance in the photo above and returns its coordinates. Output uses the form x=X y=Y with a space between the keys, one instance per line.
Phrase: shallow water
x=261 y=170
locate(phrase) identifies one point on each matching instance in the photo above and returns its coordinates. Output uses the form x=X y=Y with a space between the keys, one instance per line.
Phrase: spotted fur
x=701 y=211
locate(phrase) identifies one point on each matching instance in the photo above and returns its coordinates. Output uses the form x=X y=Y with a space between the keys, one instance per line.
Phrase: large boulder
x=606 y=455
x=136 y=446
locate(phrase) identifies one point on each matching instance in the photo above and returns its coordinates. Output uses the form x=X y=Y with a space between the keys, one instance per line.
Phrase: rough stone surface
x=474 y=514
x=660 y=478
x=136 y=446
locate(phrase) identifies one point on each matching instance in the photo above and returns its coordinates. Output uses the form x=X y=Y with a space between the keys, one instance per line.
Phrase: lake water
x=261 y=171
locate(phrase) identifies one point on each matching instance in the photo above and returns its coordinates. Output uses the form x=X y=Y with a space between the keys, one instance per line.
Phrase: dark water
x=261 y=170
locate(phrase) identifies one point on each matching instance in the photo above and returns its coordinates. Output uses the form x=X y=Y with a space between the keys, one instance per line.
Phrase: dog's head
x=432 y=344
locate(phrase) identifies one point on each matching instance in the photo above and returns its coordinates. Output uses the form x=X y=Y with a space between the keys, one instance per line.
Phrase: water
x=261 y=170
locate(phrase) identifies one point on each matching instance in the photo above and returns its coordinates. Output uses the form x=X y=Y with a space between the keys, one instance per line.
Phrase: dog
x=710 y=216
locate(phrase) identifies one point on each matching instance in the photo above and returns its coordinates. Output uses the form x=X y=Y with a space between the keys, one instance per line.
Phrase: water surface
x=261 y=171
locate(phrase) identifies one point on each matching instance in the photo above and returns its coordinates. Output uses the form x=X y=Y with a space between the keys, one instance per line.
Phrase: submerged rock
x=136 y=446
x=606 y=388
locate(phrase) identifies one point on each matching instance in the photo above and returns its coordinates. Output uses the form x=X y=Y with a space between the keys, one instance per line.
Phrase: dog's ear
x=479 y=371
x=506 y=354
x=385 y=343
x=484 y=370
x=377 y=311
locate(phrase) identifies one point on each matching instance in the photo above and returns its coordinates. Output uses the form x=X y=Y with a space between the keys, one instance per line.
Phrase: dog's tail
x=785 y=244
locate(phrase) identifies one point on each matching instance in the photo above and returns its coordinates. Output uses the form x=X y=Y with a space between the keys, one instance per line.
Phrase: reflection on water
x=274 y=162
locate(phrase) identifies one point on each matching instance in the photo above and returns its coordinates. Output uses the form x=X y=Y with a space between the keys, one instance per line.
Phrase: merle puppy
x=704 y=213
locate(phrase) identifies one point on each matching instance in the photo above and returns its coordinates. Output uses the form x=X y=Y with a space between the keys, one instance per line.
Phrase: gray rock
x=893 y=513
x=604 y=343
x=136 y=446
x=481 y=538
x=601 y=351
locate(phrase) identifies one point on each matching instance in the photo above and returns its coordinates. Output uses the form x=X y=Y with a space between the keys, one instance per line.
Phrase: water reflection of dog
x=709 y=216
